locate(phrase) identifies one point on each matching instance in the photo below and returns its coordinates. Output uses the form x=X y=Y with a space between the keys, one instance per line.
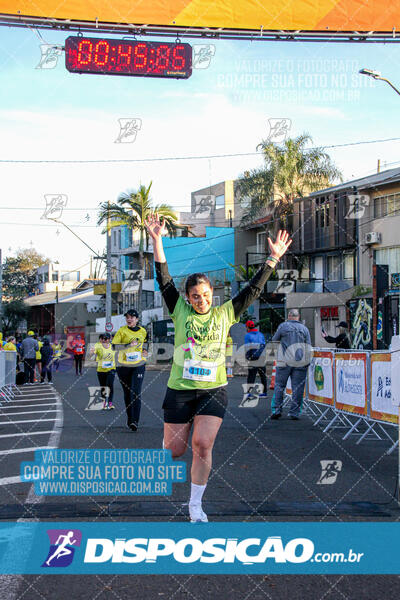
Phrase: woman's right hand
x=154 y=226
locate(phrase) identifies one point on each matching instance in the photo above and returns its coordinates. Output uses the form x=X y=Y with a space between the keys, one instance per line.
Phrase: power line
x=169 y=158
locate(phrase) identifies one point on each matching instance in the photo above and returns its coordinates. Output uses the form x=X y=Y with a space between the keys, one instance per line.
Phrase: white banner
x=395 y=362
x=381 y=389
x=320 y=378
x=351 y=382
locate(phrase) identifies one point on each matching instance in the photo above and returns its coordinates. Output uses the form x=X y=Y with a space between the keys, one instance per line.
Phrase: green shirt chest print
x=200 y=346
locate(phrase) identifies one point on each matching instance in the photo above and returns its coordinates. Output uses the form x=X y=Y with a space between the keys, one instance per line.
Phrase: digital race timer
x=128 y=57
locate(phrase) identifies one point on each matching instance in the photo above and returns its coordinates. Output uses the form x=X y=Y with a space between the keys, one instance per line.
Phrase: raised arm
x=252 y=291
x=169 y=292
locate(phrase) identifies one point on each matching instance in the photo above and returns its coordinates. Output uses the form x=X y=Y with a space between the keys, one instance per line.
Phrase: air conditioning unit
x=373 y=237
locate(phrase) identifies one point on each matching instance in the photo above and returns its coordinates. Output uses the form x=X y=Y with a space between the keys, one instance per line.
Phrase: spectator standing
x=293 y=358
x=47 y=357
x=29 y=347
x=342 y=340
x=255 y=344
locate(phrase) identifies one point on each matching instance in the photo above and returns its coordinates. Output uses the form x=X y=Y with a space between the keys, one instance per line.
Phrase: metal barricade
x=8 y=370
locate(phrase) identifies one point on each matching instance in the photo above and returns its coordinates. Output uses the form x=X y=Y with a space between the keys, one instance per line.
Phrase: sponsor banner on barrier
x=382 y=407
x=320 y=378
x=211 y=548
x=351 y=382
x=395 y=369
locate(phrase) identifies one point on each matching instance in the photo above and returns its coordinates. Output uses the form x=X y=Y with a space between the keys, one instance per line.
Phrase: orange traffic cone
x=272 y=383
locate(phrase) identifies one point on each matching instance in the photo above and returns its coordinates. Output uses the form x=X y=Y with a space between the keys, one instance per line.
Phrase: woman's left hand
x=281 y=244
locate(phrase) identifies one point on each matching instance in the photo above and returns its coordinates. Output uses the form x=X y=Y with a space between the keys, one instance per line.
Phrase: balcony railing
x=255 y=255
x=308 y=286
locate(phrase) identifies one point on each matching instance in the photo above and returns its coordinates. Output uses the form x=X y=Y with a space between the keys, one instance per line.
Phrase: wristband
x=273 y=259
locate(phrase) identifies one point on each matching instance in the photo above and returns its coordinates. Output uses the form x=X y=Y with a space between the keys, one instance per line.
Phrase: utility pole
x=108 y=283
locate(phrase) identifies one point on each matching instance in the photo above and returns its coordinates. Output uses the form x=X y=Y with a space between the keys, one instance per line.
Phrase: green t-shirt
x=200 y=346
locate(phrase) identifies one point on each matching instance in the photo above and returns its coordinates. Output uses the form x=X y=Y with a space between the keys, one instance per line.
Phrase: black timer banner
x=128 y=57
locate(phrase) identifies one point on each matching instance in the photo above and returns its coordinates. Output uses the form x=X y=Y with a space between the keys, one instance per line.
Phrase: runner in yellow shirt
x=57 y=354
x=38 y=371
x=129 y=340
x=105 y=357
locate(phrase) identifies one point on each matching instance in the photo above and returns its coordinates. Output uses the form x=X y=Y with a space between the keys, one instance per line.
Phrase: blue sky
x=223 y=109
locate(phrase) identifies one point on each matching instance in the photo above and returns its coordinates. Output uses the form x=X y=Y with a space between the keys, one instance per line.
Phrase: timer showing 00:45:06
x=128 y=57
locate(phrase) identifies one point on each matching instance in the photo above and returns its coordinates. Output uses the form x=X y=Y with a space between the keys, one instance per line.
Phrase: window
x=386 y=205
x=220 y=201
x=348 y=266
x=317 y=267
x=147 y=299
x=333 y=268
x=54 y=276
x=389 y=256
x=262 y=241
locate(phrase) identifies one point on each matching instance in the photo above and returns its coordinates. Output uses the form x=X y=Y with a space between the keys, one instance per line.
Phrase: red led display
x=128 y=57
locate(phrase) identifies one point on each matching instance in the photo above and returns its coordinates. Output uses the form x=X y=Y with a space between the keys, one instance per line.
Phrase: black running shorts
x=181 y=406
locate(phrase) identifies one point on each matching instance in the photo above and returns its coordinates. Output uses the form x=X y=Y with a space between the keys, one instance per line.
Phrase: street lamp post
x=377 y=75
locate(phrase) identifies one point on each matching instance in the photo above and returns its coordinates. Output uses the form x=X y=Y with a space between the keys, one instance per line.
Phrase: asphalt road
x=263 y=470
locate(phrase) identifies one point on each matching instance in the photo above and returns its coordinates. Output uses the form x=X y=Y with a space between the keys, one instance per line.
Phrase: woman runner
x=130 y=339
x=196 y=393
x=105 y=357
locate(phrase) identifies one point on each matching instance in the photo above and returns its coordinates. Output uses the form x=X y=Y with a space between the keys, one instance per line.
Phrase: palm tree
x=131 y=209
x=290 y=171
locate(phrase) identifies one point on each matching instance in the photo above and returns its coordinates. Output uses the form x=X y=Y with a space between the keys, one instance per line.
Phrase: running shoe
x=110 y=406
x=275 y=416
x=197 y=515
x=105 y=406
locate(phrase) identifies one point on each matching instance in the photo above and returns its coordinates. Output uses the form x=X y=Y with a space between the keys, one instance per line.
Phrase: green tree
x=14 y=312
x=132 y=209
x=19 y=273
x=290 y=171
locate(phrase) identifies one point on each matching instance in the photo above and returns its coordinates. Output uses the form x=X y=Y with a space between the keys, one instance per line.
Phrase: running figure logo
x=128 y=129
x=278 y=130
x=97 y=396
x=357 y=206
x=62 y=550
x=251 y=395
x=49 y=56
x=330 y=470
x=55 y=204
x=287 y=280
x=202 y=55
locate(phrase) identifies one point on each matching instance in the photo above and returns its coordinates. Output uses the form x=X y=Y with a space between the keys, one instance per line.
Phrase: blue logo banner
x=208 y=548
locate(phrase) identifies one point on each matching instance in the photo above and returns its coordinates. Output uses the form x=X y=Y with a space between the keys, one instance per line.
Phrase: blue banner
x=209 y=548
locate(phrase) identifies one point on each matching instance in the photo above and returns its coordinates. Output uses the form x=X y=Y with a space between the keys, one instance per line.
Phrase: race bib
x=133 y=356
x=107 y=364
x=197 y=370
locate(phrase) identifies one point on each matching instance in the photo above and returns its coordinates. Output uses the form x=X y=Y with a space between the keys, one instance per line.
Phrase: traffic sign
x=109 y=326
